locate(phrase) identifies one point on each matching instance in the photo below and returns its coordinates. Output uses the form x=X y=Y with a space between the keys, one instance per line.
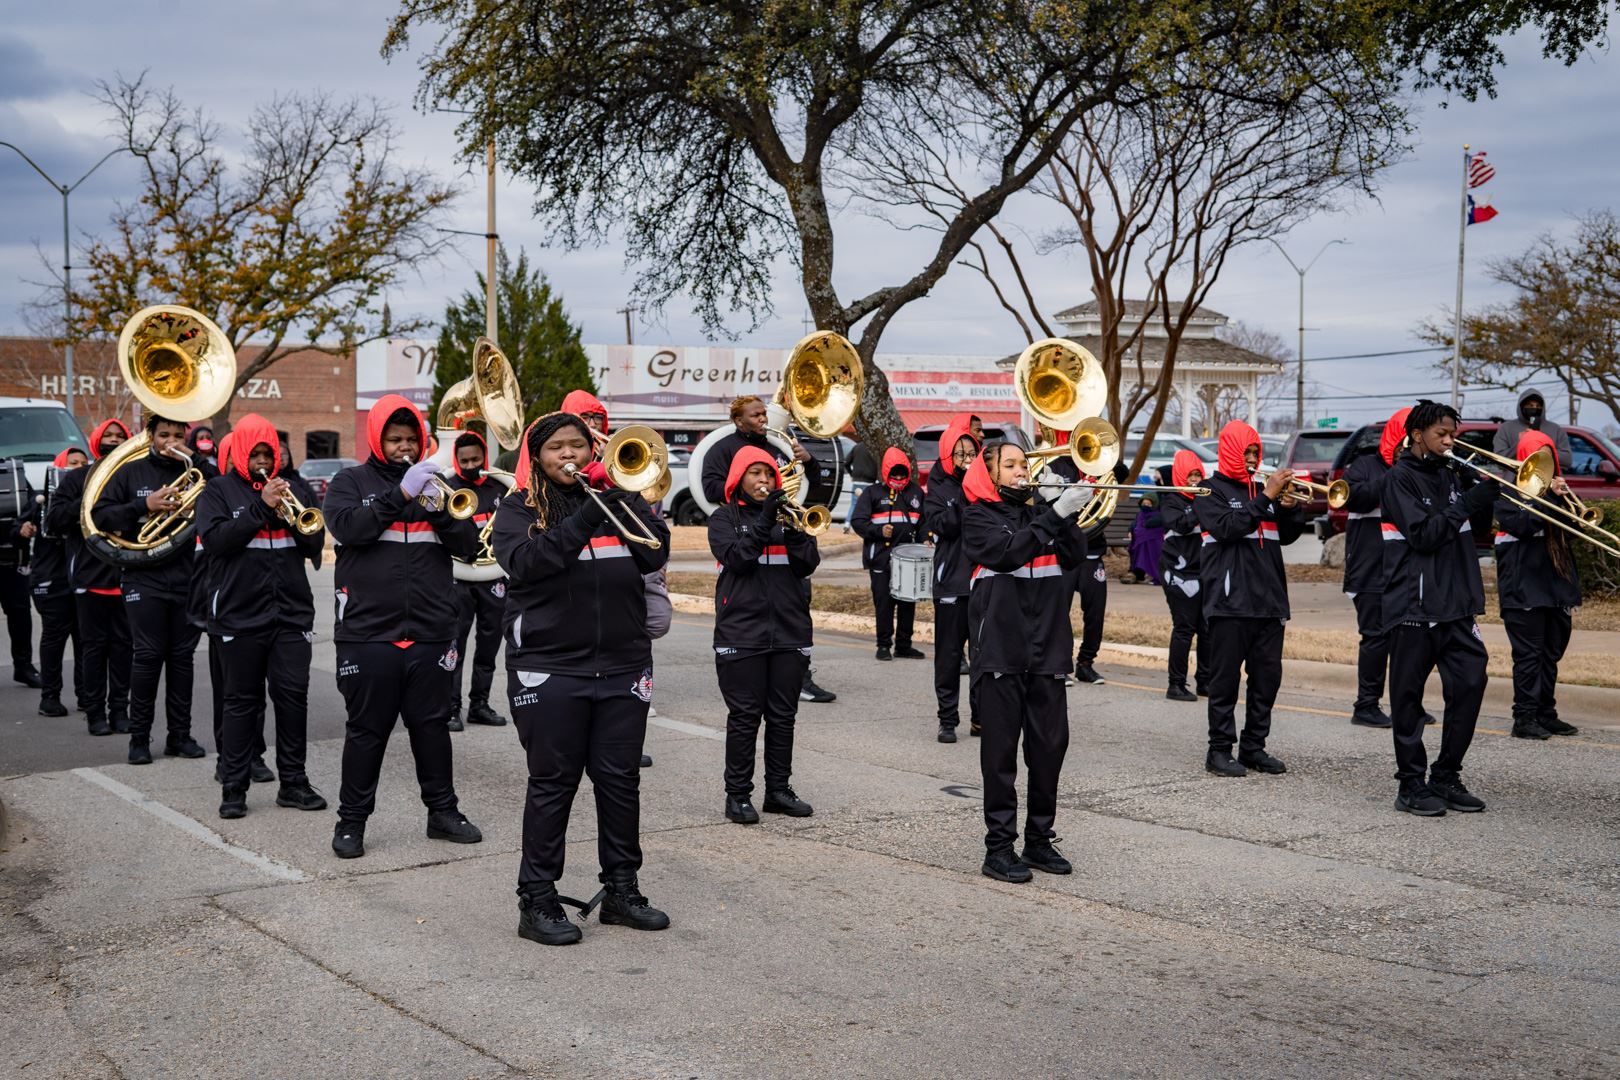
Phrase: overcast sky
x=1551 y=133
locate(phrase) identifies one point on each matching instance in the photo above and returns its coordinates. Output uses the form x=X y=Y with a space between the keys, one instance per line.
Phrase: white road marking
x=191 y=827
x=685 y=728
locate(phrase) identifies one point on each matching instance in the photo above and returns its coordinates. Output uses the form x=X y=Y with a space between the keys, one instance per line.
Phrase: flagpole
x=1456 y=337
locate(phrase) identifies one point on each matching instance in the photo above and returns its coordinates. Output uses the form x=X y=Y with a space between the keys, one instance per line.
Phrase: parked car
x=318 y=472
x=34 y=431
x=1310 y=452
x=925 y=444
x=832 y=454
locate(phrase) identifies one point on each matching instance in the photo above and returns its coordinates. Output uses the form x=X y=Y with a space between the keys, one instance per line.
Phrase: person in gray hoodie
x=1532 y=417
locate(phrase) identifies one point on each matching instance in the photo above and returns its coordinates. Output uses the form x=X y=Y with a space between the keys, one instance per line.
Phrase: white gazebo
x=1204 y=363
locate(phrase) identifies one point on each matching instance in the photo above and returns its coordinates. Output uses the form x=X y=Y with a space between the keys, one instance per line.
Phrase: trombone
x=810 y=520
x=306 y=519
x=459 y=503
x=636 y=459
x=1534 y=475
x=1093 y=447
x=1182 y=489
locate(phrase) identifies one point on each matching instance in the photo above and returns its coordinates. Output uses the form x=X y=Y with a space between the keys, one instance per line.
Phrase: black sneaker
x=259 y=772
x=1530 y=729
x=1221 y=763
x=1372 y=717
x=233 y=803
x=99 y=725
x=51 y=705
x=300 y=797
x=452 y=825
x=28 y=676
x=1041 y=855
x=906 y=652
x=1260 y=761
x=1087 y=674
x=1450 y=790
x=1202 y=689
x=947 y=734
x=185 y=747
x=541 y=918
x=964 y=669
x=809 y=691
x=783 y=801
x=1429 y=719
x=625 y=906
x=883 y=653
x=454 y=722
x=479 y=712
x=120 y=723
x=1550 y=724
x=1178 y=692
x=646 y=761
x=1416 y=798
x=975 y=729
x=740 y=810
x=1003 y=865
x=140 y=752
x=349 y=839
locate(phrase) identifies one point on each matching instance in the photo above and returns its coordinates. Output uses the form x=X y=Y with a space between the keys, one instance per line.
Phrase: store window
x=321 y=444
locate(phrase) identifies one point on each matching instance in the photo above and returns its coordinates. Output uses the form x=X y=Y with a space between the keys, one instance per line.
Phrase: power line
x=1372 y=355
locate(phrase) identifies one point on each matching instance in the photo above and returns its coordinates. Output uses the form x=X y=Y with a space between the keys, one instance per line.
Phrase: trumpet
x=1336 y=493
x=187 y=490
x=459 y=503
x=306 y=519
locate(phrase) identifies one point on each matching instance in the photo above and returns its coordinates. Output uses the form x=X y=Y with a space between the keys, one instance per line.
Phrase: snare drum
x=911 y=572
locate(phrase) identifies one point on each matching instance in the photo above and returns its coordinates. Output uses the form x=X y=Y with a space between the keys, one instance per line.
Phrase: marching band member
x=1179 y=561
x=1537 y=586
x=1021 y=548
x=888 y=514
x=750 y=419
x=98 y=604
x=200 y=441
x=395 y=620
x=1432 y=595
x=762 y=635
x=156 y=598
x=478 y=603
x=261 y=614
x=53 y=599
x=579 y=663
x=942 y=511
x=1364 y=565
x=1245 y=591
x=198 y=609
x=1089 y=581
x=14 y=575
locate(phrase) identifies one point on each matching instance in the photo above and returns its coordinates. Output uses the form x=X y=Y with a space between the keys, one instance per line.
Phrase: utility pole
x=491 y=238
x=1299 y=375
x=627 y=311
x=1456 y=335
x=67 y=258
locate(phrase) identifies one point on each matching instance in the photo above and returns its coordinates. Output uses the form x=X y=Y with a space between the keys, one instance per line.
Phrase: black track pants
x=891 y=612
x=1539 y=637
x=59 y=624
x=380 y=683
x=1414 y=651
x=571 y=725
x=1186 y=624
x=104 y=630
x=478 y=615
x=760 y=688
x=19 y=617
x=950 y=642
x=163 y=640
x=1036 y=707
x=216 y=684
x=1237 y=646
x=1372 y=658
x=1091 y=582
x=277 y=659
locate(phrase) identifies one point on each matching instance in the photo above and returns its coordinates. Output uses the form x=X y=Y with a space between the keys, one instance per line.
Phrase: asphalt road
x=1270 y=926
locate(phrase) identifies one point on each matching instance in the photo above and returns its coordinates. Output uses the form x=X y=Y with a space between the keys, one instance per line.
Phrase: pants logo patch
x=1100 y=574
x=449 y=659
x=643 y=686
x=498 y=590
x=347 y=668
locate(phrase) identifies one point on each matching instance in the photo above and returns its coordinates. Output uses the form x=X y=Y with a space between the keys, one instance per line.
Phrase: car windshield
x=1319 y=449
x=37 y=434
x=322 y=467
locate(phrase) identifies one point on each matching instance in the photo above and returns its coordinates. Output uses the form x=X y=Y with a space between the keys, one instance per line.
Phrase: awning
x=920 y=418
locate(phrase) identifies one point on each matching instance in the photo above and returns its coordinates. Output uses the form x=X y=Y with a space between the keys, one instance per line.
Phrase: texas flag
x=1481 y=211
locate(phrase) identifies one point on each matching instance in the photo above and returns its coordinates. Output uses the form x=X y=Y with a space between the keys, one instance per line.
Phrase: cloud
x=24 y=72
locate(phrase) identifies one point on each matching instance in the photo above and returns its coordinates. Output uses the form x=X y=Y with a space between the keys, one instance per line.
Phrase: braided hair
x=551 y=502
x=1425 y=414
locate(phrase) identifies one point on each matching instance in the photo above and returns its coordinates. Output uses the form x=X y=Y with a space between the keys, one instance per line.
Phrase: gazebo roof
x=1134 y=309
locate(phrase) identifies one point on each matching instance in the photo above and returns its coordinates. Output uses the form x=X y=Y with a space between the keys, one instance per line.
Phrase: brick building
x=310 y=394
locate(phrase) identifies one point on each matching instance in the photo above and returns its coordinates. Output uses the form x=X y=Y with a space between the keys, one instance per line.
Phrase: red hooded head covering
x=1236 y=437
x=748 y=455
x=1394 y=432
x=1530 y=441
x=892 y=457
x=471 y=438
x=1182 y=466
x=977 y=485
x=584 y=403
x=524 y=466
x=377 y=419
x=958 y=429
x=224 y=448
x=100 y=431
x=60 y=460
x=254 y=429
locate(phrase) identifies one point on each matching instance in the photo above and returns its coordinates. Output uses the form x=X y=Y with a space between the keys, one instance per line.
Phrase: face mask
x=1533 y=418
x=1016 y=495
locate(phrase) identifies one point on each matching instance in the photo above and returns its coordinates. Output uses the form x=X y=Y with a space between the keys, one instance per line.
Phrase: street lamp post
x=1299 y=376
x=67 y=256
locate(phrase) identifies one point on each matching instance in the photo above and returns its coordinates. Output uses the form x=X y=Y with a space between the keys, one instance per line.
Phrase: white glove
x=416 y=478
x=1070 y=502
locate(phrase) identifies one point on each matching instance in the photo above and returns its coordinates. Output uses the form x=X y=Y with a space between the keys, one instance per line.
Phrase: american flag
x=1479 y=172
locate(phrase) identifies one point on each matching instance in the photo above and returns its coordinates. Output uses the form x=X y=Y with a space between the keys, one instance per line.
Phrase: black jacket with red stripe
x=576 y=603
x=489 y=494
x=1431 y=567
x=392 y=579
x=1363 y=532
x=1018 y=609
x=1183 y=549
x=122 y=510
x=1240 y=568
x=879 y=506
x=760 y=604
x=255 y=563
x=1525 y=576
x=942 y=519
x=86 y=573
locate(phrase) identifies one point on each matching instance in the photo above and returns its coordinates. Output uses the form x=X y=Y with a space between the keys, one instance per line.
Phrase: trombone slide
x=634 y=530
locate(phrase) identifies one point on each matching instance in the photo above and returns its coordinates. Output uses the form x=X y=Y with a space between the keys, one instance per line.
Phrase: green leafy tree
x=534 y=331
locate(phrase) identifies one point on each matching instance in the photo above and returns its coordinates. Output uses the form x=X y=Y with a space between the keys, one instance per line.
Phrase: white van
x=35 y=430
